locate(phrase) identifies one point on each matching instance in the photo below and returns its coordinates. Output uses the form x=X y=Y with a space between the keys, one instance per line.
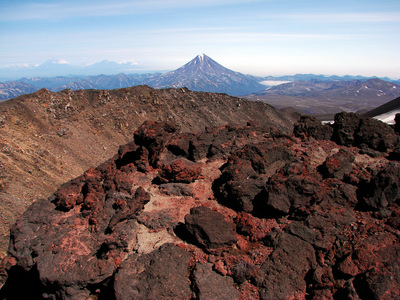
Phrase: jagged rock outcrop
x=351 y=129
x=238 y=212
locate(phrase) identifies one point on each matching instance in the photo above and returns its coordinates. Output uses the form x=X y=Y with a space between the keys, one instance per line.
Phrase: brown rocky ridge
x=49 y=138
x=230 y=212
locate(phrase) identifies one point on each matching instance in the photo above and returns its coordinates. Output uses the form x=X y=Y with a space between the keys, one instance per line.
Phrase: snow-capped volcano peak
x=203 y=73
x=201 y=56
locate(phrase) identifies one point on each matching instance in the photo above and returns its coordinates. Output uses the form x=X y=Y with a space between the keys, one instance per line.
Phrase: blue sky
x=270 y=37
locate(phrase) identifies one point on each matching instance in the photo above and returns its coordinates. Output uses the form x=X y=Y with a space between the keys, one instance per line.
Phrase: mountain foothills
x=271 y=211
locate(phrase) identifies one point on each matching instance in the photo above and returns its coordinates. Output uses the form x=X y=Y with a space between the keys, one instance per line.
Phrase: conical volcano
x=204 y=74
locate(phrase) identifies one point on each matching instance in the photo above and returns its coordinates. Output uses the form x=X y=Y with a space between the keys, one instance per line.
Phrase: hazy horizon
x=252 y=37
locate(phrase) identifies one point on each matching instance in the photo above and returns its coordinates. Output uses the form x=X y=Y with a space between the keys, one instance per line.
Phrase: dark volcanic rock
x=266 y=216
x=375 y=134
x=176 y=189
x=282 y=195
x=309 y=126
x=153 y=137
x=244 y=175
x=397 y=123
x=337 y=165
x=351 y=129
x=161 y=274
x=285 y=277
x=210 y=285
x=344 y=127
x=209 y=228
x=83 y=231
x=382 y=190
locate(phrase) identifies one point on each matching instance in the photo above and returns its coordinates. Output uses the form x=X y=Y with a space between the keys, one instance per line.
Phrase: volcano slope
x=49 y=138
x=232 y=212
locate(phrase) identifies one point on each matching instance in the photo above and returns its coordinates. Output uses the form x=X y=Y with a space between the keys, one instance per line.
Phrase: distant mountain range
x=330 y=97
x=310 y=77
x=55 y=67
x=307 y=93
x=200 y=74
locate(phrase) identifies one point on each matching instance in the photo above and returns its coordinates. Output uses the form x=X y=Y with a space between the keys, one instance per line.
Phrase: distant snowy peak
x=60 y=67
x=203 y=64
x=55 y=62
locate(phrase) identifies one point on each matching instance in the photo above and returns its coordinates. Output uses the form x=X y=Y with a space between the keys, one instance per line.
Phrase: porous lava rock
x=351 y=129
x=161 y=274
x=285 y=278
x=382 y=190
x=239 y=212
x=244 y=175
x=344 y=127
x=209 y=228
x=180 y=170
x=310 y=126
x=338 y=165
x=211 y=285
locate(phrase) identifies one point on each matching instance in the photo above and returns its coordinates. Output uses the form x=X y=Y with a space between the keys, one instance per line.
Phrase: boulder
x=337 y=165
x=382 y=190
x=209 y=228
x=180 y=170
x=311 y=127
x=161 y=274
x=211 y=285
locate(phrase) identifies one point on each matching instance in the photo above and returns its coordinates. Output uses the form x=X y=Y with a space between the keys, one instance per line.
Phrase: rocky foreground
x=49 y=138
x=229 y=213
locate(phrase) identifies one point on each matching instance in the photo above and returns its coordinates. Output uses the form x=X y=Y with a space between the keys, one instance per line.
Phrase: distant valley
x=330 y=97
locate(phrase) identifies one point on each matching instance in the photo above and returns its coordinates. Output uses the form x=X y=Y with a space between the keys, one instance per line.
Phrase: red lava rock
x=180 y=170
x=256 y=229
x=154 y=136
x=274 y=217
x=69 y=195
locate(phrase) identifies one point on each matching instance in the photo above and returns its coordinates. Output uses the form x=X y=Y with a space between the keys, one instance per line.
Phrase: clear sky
x=269 y=37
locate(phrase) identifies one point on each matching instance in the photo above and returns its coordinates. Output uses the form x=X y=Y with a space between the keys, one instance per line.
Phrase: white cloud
x=61 y=10
x=372 y=17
